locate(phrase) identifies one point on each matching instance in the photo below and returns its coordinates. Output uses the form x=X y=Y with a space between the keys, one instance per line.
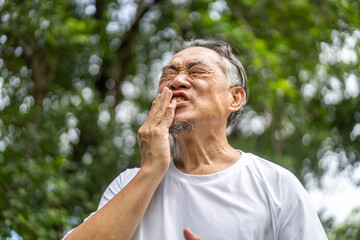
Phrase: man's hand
x=153 y=135
x=120 y=217
x=189 y=235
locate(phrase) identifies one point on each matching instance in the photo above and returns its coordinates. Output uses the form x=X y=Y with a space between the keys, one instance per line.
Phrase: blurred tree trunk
x=124 y=52
x=43 y=72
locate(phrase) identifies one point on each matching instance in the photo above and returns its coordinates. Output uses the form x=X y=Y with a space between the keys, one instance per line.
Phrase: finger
x=169 y=114
x=189 y=235
x=161 y=102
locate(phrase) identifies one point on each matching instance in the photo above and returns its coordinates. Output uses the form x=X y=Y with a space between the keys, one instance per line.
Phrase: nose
x=179 y=82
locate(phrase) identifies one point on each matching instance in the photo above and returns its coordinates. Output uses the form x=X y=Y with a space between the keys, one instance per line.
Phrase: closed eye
x=198 y=71
x=198 y=68
x=168 y=72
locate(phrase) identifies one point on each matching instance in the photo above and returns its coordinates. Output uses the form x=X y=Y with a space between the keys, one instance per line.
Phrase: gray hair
x=235 y=72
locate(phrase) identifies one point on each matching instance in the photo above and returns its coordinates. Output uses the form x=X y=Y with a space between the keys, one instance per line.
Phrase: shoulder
x=123 y=179
x=266 y=170
x=117 y=185
x=278 y=181
x=296 y=217
x=126 y=176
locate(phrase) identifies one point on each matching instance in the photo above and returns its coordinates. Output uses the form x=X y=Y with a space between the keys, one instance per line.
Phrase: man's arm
x=119 y=218
x=298 y=219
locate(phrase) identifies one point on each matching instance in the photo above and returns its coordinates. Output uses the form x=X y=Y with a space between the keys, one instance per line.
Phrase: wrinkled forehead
x=196 y=54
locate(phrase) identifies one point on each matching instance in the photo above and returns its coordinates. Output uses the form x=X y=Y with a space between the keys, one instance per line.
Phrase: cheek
x=221 y=101
x=214 y=102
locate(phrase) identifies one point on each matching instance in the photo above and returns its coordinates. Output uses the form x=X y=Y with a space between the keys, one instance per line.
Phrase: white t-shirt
x=253 y=199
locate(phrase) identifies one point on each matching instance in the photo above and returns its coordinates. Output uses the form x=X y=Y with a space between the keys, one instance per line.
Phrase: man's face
x=199 y=85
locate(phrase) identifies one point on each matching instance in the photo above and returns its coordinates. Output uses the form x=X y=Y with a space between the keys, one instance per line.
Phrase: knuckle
x=154 y=102
x=168 y=114
x=155 y=113
x=143 y=131
x=140 y=131
x=156 y=132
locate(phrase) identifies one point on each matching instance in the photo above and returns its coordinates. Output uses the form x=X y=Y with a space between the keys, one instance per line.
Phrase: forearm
x=119 y=218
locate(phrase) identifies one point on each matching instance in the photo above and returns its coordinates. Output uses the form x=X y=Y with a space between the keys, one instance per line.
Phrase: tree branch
x=256 y=9
x=127 y=40
x=239 y=15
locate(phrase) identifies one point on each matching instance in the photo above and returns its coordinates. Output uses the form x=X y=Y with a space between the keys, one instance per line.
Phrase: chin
x=181 y=126
x=183 y=114
x=181 y=117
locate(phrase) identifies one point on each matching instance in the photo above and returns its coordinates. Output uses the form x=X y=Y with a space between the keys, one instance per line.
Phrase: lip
x=181 y=94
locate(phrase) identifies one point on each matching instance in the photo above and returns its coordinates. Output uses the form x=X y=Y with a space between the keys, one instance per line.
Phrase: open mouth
x=179 y=99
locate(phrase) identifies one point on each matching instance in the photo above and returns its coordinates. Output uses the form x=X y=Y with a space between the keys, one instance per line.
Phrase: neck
x=203 y=151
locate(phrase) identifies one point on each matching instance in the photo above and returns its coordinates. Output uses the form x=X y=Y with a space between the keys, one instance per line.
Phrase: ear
x=237 y=95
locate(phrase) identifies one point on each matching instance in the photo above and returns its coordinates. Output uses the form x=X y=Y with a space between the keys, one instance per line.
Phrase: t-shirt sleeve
x=297 y=217
x=115 y=186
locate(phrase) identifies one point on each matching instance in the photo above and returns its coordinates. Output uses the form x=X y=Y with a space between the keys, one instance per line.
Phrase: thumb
x=189 y=235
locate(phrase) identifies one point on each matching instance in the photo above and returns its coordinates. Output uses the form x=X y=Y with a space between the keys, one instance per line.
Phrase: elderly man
x=206 y=185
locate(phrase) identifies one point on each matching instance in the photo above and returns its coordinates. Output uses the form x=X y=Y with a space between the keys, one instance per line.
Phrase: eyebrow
x=188 y=66
x=171 y=66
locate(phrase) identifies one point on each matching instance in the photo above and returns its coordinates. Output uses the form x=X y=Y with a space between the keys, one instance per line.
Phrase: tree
x=77 y=79
x=350 y=229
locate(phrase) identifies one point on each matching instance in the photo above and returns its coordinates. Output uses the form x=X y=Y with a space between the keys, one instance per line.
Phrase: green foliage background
x=77 y=78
